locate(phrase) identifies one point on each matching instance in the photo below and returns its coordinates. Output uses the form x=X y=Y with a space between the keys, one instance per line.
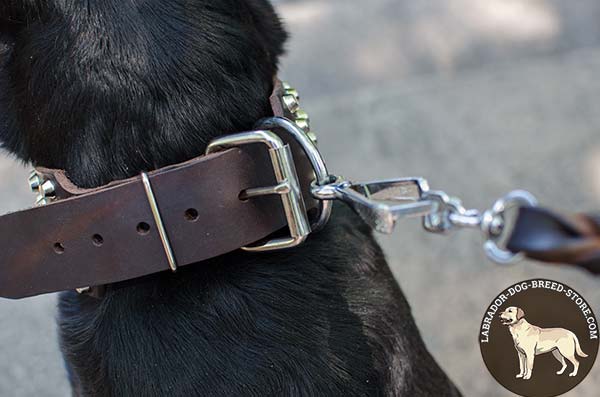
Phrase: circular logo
x=539 y=338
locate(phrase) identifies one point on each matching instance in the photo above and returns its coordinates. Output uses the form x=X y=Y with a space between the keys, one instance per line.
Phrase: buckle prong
x=282 y=188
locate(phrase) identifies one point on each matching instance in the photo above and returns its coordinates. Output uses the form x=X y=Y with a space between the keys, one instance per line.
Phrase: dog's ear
x=520 y=313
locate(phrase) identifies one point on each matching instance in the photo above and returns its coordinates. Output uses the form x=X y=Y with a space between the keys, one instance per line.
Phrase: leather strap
x=546 y=236
x=92 y=237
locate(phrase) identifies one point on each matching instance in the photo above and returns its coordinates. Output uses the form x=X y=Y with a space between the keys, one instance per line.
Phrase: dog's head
x=107 y=88
x=511 y=315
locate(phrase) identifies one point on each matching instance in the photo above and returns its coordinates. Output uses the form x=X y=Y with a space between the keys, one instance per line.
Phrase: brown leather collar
x=226 y=200
x=91 y=237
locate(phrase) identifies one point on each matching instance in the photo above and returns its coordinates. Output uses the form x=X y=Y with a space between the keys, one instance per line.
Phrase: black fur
x=107 y=88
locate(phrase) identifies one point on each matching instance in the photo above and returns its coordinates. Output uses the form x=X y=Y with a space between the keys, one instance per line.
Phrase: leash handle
x=546 y=236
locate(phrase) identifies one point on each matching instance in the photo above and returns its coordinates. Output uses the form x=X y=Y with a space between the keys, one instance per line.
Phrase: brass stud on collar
x=313 y=137
x=47 y=188
x=40 y=200
x=302 y=120
x=34 y=181
x=293 y=92
x=291 y=103
x=44 y=188
x=301 y=115
x=291 y=100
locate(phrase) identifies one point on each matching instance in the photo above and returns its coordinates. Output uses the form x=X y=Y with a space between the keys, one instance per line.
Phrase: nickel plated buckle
x=288 y=186
x=309 y=147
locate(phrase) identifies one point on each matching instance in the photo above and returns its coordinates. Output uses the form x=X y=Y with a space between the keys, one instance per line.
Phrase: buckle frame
x=287 y=187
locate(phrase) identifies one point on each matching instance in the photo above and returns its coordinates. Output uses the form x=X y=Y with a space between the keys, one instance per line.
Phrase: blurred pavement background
x=479 y=97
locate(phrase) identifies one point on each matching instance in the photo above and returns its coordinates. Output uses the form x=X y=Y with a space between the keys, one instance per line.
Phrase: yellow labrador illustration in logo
x=531 y=340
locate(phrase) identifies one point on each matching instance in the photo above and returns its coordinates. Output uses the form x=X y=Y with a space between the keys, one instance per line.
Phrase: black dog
x=105 y=89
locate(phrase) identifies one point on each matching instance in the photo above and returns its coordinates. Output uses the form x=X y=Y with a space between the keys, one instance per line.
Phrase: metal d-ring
x=313 y=155
x=492 y=222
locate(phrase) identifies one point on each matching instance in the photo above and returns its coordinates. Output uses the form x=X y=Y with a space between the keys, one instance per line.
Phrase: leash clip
x=451 y=214
x=380 y=204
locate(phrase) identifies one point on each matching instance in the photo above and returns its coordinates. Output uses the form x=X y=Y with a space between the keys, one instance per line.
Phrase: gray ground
x=478 y=96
